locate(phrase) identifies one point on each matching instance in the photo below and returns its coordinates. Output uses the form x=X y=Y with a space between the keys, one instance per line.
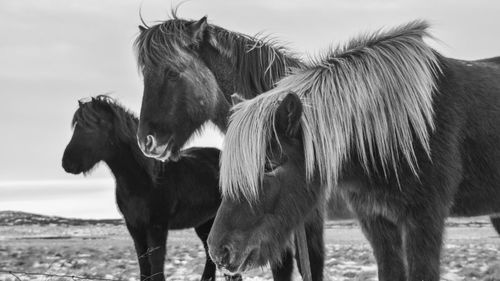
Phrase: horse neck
x=131 y=169
x=229 y=75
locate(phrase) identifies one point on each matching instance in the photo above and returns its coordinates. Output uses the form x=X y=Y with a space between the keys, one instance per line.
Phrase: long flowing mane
x=374 y=96
x=260 y=60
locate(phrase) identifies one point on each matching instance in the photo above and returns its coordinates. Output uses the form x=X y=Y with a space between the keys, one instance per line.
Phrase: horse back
x=467 y=137
x=493 y=60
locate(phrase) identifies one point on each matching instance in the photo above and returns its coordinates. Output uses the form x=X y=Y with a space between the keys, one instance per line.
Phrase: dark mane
x=90 y=112
x=261 y=60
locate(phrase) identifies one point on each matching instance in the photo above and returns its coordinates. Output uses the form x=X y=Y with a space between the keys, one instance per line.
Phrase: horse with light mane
x=404 y=134
x=190 y=71
x=152 y=196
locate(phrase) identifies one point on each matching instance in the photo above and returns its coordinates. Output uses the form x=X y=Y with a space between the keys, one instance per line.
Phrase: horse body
x=467 y=117
x=461 y=178
x=152 y=196
x=191 y=69
x=472 y=96
x=184 y=196
x=409 y=136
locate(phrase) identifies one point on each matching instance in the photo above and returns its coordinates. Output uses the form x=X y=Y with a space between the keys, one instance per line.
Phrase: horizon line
x=55 y=182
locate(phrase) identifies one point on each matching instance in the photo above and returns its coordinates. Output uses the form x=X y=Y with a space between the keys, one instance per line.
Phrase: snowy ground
x=470 y=253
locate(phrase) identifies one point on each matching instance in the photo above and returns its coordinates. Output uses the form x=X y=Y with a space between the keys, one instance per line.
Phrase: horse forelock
x=163 y=44
x=261 y=60
x=373 y=96
x=245 y=146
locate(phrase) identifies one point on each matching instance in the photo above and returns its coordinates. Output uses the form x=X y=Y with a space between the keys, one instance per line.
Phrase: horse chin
x=175 y=153
x=169 y=155
x=164 y=156
x=247 y=262
x=160 y=152
x=269 y=254
x=168 y=151
x=84 y=169
x=88 y=170
x=272 y=251
x=259 y=252
x=171 y=149
x=74 y=172
x=175 y=156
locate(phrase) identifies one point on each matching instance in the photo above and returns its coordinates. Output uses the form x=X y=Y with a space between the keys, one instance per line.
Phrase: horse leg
x=202 y=231
x=423 y=234
x=283 y=271
x=141 y=248
x=209 y=271
x=495 y=221
x=315 y=244
x=157 y=242
x=385 y=239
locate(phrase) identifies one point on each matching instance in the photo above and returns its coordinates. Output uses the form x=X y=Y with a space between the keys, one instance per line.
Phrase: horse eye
x=270 y=166
x=172 y=74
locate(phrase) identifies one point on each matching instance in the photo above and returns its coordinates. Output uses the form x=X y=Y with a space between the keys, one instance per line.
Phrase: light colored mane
x=373 y=96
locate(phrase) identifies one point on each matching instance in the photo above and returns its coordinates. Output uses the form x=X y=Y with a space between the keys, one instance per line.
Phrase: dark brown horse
x=152 y=196
x=404 y=134
x=190 y=70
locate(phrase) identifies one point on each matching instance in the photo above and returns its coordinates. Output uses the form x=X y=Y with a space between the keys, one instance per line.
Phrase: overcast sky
x=53 y=52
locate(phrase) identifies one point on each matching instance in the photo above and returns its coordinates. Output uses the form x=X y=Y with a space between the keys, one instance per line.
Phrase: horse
x=404 y=134
x=190 y=71
x=152 y=196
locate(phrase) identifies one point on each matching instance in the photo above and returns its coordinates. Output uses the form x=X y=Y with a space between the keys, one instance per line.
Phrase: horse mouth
x=77 y=169
x=164 y=152
x=249 y=262
x=72 y=171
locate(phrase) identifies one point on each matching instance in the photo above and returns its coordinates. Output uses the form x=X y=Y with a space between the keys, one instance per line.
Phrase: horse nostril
x=150 y=142
x=69 y=166
x=225 y=255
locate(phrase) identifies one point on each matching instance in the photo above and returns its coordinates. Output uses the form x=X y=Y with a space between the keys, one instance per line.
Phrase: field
x=104 y=250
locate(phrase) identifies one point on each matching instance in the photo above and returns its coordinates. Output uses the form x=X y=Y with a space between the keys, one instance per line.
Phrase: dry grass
x=106 y=251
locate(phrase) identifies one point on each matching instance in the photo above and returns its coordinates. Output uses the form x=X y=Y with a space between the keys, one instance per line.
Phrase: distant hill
x=10 y=218
x=337 y=217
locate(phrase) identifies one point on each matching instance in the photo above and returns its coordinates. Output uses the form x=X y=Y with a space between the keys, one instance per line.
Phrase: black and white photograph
x=285 y=140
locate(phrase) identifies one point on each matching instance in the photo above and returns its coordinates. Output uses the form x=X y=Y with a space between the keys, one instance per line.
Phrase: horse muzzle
x=151 y=148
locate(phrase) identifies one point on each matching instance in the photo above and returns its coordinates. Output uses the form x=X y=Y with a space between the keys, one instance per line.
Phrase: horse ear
x=236 y=98
x=80 y=103
x=288 y=115
x=142 y=28
x=198 y=29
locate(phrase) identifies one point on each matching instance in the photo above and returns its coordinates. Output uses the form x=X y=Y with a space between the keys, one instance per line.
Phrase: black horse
x=152 y=196
x=191 y=69
x=404 y=134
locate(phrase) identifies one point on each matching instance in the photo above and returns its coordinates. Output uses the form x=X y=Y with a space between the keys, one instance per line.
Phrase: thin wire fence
x=17 y=274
